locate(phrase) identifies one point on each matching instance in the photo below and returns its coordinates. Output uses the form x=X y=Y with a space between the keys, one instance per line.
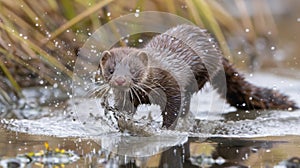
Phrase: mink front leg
x=167 y=93
x=123 y=103
x=172 y=110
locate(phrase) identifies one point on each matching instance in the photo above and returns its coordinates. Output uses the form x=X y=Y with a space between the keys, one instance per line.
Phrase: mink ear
x=104 y=57
x=142 y=55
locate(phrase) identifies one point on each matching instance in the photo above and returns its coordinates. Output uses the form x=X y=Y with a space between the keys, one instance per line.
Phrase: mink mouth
x=125 y=87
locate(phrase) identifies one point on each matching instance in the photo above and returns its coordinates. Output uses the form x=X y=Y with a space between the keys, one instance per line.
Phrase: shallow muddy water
x=210 y=138
x=193 y=152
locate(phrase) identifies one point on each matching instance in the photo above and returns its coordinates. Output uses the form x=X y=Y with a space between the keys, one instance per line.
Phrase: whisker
x=124 y=100
x=136 y=94
x=96 y=82
x=102 y=92
x=131 y=94
x=95 y=89
x=140 y=88
x=152 y=89
x=159 y=85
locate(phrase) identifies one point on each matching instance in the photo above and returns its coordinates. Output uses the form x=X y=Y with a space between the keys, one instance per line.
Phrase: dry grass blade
x=31 y=14
x=246 y=20
x=25 y=64
x=263 y=19
x=43 y=54
x=78 y=18
x=224 y=17
x=4 y=97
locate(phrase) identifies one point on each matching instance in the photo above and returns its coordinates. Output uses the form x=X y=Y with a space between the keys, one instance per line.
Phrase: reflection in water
x=191 y=152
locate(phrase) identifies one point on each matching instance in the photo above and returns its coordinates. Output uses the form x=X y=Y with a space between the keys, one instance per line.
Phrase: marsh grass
x=39 y=39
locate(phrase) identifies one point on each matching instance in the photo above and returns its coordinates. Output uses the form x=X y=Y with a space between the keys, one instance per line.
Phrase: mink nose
x=120 y=80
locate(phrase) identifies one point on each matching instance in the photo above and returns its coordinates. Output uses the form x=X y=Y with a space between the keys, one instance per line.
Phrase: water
x=210 y=139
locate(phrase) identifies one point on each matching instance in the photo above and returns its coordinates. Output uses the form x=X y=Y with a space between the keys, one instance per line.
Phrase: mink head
x=123 y=68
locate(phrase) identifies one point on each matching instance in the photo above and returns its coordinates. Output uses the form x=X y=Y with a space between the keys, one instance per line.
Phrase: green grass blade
x=194 y=13
x=208 y=17
x=11 y=79
x=68 y=9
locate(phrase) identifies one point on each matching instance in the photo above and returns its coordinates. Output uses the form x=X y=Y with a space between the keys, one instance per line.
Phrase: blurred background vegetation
x=39 y=39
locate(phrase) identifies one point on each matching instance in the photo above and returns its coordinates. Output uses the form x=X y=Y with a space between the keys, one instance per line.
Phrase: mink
x=174 y=65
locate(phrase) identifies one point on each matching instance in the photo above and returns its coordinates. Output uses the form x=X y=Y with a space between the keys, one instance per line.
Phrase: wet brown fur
x=164 y=51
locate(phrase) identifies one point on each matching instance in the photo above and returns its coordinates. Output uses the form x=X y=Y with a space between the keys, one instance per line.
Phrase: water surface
x=211 y=139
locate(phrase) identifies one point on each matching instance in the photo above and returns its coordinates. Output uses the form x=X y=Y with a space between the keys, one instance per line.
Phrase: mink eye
x=111 y=70
x=132 y=70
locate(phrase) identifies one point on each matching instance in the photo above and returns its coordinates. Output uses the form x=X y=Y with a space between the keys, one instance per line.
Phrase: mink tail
x=246 y=96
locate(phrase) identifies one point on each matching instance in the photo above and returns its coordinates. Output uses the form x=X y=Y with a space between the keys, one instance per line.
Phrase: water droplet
x=55 y=85
x=247 y=30
x=136 y=14
x=298 y=19
x=108 y=13
x=239 y=53
x=25 y=37
x=140 y=40
x=273 y=48
x=41 y=82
